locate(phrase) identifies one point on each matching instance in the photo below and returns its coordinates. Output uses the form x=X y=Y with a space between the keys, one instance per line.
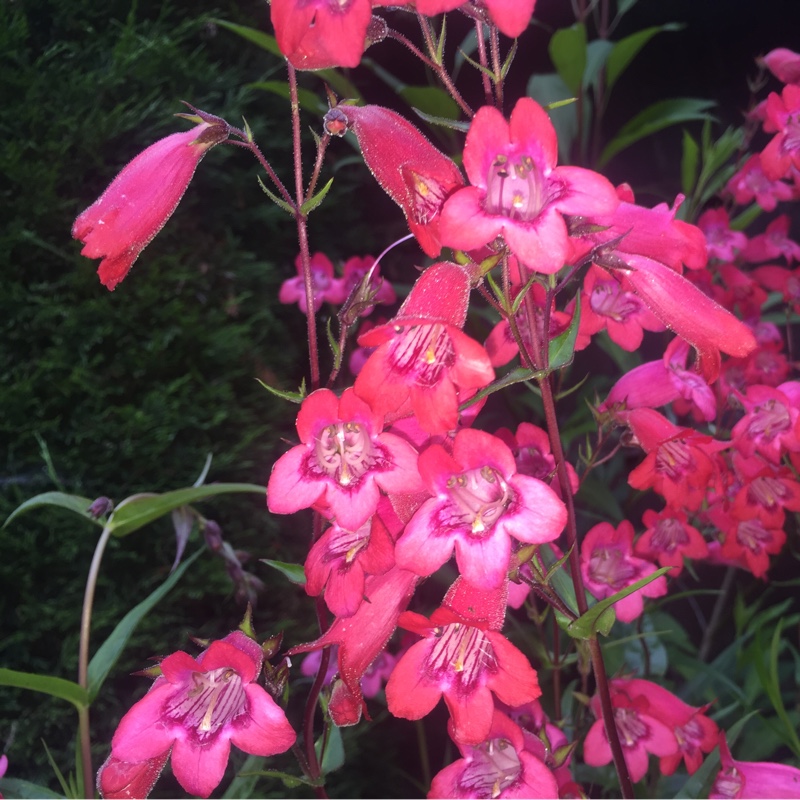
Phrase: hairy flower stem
x=83 y=660
x=484 y=62
x=302 y=231
x=540 y=354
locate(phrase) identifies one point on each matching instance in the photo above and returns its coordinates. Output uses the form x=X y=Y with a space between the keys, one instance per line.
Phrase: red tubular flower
x=783 y=151
x=326 y=287
x=423 y=360
x=343 y=462
x=669 y=539
x=518 y=191
x=480 y=502
x=416 y=175
x=198 y=708
x=139 y=201
x=465 y=663
x=750 y=183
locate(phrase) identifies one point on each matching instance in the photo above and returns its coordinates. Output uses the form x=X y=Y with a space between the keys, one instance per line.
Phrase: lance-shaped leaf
x=73 y=502
x=57 y=687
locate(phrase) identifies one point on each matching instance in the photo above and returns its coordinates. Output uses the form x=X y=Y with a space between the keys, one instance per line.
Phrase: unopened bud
x=212 y=534
x=336 y=122
x=377 y=30
x=100 y=507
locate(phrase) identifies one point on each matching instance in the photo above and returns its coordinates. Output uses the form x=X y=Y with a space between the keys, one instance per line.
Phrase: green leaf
x=654 y=118
x=333 y=757
x=518 y=375
x=136 y=511
x=107 y=654
x=431 y=100
x=244 y=782
x=562 y=347
x=308 y=100
x=550 y=91
x=57 y=687
x=689 y=162
x=294 y=572
x=567 y=50
x=597 y=53
x=314 y=201
x=275 y=199
x=264 y=40
x=292 y=397
x=592 y=621
x=746 y=218
x=289 y=781
x=625 y=50
x=65 y=787
x=12 y=788
x=445 y=122
x=73 y=502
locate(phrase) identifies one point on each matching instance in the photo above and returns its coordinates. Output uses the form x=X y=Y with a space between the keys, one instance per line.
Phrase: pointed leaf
x=314 y=201
x=333 y=757
x=444 y=121
x=109 y=652
x=625 y=50
x=25 y=790
x=592 y=621
x=551 y=92
x=264 y=40
x=518 y=375
x=597 y=53
x=294 y=572
x=431 y=100
x=292 y=397
x=275 y=199
x=57 y=687
x=73 y=502
x=136 y=511
x=562 y=347
x=689 y=161
x=654 y=118
x=307 y=99
x=567 y=50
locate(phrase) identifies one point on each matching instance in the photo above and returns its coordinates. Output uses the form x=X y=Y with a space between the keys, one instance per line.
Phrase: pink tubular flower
x=416 y=175
x=465 y=663
x=343 y=462
x=773 y=243
x=199 y=707
x=480 y=502
x=326 y=287
x=669 y=539
x=640 y=730
x=721 y=241
x=518 y=191
x=753 y=779
x=771 y=423
x=510 y=18
x=750 y=183
x=608 y=566
x=139 y=201
x=782 y=115
x=498 y=767
x=423 y=360
x=784 y=64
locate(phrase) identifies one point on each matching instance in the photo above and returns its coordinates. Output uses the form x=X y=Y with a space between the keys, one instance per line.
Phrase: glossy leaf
x=47 y=684
x=109 y=652
x=25 y=790
x=138 y=510
x=294 y=572
x=292 y=397
x=562 y=347
x=519 y=375
x=314 y=201
x=689 y=161
x=625 y=50
x=431 y=100
x=549 y=90
x=567 y=50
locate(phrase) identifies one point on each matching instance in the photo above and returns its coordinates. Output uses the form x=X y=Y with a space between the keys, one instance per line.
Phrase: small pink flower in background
x=773 y=243
x=501 y=766
x=639 y=726
x=342 y=463
x=326 y=287
x=750 y=183
x=198 y=708
x=771 y=422
x=746 y=543
x=783 y=119
x=480 y=503
x=465 y=663
x=753 y=779
x=605 y=305
x=423 y=362
x=669 y=538
x=354 y=271
x=721 y=241
x=518 y=191
x=608 y=565
x=140 y=200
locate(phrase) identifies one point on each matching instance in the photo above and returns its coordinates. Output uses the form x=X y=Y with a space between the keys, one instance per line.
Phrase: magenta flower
x=669 y=538
x=782 y=118
x=139 y=201
x=784 y=64
x=423 y=361
x=480 y=503
x=518 y=191
x=343 y=462
x=199 y=707
x=753 y=779
x=466 y=664
x=608 y=565
x=501 y=766
x=325 y=286
x=510 y=18
x=750 y=183
x=639 y=726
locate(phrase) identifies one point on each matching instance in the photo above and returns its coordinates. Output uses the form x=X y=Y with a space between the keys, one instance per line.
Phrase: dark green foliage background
x=130 y=391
